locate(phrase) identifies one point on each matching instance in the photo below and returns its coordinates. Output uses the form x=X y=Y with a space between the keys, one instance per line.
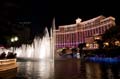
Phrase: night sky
x=41 y=12
x=66 y=12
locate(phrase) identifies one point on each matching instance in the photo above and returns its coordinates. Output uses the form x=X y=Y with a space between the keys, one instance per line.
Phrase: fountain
x=41 y=48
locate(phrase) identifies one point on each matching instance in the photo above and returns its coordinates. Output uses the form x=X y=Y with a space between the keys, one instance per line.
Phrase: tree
x=100 y=43
x=113 y=32
x=111 y=35
x=81 y=46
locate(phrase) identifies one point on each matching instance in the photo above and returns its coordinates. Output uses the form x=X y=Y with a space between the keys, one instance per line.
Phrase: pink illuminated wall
x=74 y=34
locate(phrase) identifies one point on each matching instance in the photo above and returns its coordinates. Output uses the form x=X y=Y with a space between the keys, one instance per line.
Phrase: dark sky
x=41 y=12
x=66 y=11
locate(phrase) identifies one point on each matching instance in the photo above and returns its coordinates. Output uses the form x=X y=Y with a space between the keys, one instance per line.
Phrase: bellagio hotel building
x=83 y=32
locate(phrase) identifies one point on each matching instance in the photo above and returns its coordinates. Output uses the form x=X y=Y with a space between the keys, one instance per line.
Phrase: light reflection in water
x=36 y=70
x=93 y=70
x=67 y=69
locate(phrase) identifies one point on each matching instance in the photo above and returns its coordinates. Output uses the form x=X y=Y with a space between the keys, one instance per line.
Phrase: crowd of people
x=9 y=55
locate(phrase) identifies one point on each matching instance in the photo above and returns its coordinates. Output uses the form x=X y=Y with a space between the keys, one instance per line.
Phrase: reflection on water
x=66 y=69
x=8 y=74
x=93 y=71
x=76 y=69
x=36 y=70
x=110 y=71
x=102 y=71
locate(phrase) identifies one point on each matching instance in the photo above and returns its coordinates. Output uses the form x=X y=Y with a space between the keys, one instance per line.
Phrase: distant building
x=83 y=32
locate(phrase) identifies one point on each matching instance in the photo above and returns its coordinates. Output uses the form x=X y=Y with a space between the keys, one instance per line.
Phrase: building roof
x=84 y=22
x=78 y=20
x=93 y=19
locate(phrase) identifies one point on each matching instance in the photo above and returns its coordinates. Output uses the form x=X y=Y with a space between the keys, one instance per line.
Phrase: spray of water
x=41 y=48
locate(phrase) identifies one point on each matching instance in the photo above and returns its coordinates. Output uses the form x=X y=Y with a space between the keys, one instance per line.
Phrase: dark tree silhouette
x=112 y=35
x=100 y=43
x=113 y=32
x=81 y=46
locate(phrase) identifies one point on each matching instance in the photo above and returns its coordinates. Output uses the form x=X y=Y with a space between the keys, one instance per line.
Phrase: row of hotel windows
x=67 y=45
x=72 y=45
x=80 y=36
x=92 y=24
x=104 y=27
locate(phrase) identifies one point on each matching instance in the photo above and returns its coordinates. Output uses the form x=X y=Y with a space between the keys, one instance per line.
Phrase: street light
x=14 y=39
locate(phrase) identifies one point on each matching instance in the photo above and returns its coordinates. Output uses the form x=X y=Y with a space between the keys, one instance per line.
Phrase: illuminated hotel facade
x=83 y=32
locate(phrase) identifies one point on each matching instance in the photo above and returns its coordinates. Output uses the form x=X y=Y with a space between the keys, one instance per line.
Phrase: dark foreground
x=63 y=69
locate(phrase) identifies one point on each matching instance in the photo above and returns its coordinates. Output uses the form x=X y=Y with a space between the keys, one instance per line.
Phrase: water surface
x=66 y=69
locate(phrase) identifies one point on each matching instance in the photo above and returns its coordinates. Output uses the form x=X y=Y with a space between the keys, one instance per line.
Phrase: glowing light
x=87 y=45
x=41 y=48
x=106 y=44
x=12 y=39
x=16 y=38
x=117 y=43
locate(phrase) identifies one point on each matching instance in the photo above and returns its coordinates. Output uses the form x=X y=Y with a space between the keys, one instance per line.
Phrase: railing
x=6 y=64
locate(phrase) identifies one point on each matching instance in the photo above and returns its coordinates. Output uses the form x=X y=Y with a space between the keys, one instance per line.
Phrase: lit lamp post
x=14 y=39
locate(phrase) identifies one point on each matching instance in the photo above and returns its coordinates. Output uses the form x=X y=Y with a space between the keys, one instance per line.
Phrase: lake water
x=65 y=69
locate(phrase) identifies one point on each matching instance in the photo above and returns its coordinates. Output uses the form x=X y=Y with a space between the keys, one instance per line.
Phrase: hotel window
x=72 y=37
x=80 y=35
x=108 y=26
x=97 y=29
x=85 y=32
x=105 y=27
x=94 y=31
x=88 y=33
x=69 y=37
x=62 y=38
x=100 y=30
x=56 y=37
